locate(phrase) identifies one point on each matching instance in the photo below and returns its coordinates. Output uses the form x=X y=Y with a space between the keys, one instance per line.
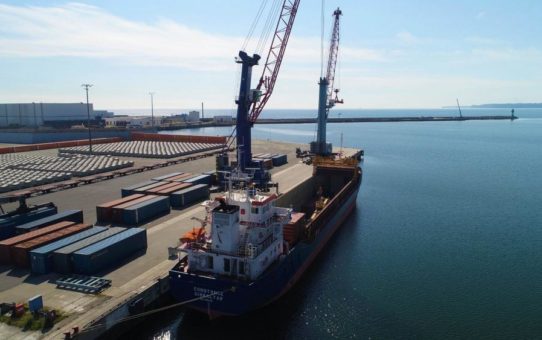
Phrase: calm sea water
x=446 y=240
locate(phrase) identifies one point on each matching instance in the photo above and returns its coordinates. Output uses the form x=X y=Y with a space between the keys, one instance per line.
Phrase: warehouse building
x=33 y=115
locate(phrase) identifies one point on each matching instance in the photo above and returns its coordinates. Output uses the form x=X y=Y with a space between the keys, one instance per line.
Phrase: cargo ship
x=256 y=250
x=260 y=244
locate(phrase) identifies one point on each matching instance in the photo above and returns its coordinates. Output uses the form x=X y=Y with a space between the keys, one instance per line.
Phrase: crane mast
x=326 y=90
x=251 y=102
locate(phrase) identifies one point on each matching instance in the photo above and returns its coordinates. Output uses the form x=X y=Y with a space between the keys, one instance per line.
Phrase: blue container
x=41 y=259
x=279 y=160
x=127 y=191
x=162 y=178
x=201 y=179
x=188 y=196
x=148 y=187
x=213 y=175
x=68 y=215
x=35 y=304
x=8 y=223
x=62 y=258
x=109 y=252
x=145 y=211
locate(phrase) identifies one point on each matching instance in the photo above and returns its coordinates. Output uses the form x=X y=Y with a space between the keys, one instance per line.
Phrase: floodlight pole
x=86 y=86
x=152 y=109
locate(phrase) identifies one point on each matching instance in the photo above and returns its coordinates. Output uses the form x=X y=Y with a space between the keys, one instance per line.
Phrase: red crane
x=275 y=56
x=251 y=102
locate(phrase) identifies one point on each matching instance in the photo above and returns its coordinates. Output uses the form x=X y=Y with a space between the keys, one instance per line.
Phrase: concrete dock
x=143 y=275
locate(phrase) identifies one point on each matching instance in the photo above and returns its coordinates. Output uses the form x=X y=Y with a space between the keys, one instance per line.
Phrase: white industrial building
x=54 y=114
x=223 y=119
x=131 y=121
x=193 y=116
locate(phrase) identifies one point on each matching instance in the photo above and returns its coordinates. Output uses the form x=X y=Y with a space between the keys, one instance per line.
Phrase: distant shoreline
x=501 y=106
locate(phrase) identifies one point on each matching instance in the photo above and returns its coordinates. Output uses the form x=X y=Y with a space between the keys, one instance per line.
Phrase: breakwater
x=384 y=119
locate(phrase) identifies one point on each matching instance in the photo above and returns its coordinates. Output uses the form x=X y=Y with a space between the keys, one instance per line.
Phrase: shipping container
x=165 y=177
x=172 y=189
x=189 y=196
x=62 y=258
x=279 y=160
x=109 y=252
x=104 y=211
x=127 y=191
x=20 y=253
x=145 y=211
x=68 y=215
x=293 y=229
x=148 y=187
x=180 y=178
x=213 y=175
x=201 y=179
x=41 y=259
x=5 y=245
x=8 y=222
x=119 y=209
x=161 y=187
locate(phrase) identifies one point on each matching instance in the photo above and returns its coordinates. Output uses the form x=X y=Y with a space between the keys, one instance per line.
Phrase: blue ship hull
x=236 y=297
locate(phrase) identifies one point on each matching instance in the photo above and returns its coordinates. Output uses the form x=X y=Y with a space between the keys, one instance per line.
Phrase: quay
x=142 y=277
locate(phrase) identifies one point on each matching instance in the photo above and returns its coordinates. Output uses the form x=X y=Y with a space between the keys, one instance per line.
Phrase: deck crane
x=328 y=95
x=251 y=102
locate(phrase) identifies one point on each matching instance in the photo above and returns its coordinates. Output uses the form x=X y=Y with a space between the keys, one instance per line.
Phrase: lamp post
x=152 y=109
x=35 y=119
x=86 y=86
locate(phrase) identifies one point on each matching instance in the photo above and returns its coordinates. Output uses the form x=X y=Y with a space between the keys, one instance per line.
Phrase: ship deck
x=138 y=272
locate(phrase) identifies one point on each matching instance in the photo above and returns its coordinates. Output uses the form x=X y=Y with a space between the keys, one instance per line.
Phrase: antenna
x=459 y=107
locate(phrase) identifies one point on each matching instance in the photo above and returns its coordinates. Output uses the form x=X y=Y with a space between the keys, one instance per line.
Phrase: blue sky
x=394 y=54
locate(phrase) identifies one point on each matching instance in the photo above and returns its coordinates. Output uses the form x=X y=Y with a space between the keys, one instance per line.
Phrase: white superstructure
x=245 y=237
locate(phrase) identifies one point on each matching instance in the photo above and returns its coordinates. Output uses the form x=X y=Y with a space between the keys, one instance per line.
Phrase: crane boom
x=332 y=60
x=274 y=56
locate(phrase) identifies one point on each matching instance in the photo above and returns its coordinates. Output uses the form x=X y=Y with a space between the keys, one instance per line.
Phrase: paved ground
x=3 y=145
x=136 y=272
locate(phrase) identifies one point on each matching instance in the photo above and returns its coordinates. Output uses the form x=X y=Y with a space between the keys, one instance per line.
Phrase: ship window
x=242 y=211
x=210 y=262
x=242 y=268
x=254 y=210
x=227 y=265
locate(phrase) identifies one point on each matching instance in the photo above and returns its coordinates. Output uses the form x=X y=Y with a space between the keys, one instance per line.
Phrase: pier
x=143 y=278
x=383 y=119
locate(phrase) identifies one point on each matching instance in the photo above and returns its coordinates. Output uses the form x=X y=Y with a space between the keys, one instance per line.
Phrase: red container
x=179 y=177
x=293 y=229
x=162 y=187
x=104 y=212
x=6 y=245
x=172 y=189
x=117 y=210
x=20 y=252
